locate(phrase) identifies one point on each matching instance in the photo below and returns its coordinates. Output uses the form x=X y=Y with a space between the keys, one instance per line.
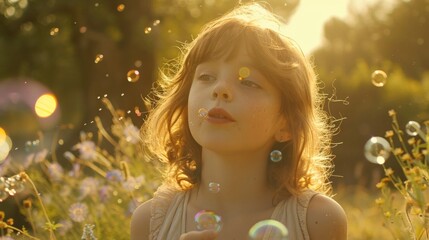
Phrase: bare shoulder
x=326 y=219
x=140 y=221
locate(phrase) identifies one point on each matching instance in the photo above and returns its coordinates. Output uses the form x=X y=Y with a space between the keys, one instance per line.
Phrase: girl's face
x=233 y=108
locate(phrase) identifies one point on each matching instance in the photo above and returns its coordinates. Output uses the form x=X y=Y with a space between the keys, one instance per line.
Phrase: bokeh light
x=120 y=7
x=243 y=73
x=377 y=150
x=45 y=105
x=98 y=58
x=5 y=145
x=268 y=229
x=413 y=128
x=379 y=78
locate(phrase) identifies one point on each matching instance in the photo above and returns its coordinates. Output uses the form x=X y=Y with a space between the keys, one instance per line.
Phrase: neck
x=242 y=179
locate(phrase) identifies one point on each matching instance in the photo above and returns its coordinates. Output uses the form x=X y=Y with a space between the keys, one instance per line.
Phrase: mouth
x=220 y=114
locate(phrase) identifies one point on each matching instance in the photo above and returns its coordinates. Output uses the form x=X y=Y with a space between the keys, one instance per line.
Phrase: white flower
x=88 y=186
x=87 y=150
x=133 y=183
x=132 y=134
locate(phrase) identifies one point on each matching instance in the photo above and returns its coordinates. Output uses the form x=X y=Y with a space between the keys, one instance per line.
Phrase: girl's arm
x=326 y=219
x=140 y=222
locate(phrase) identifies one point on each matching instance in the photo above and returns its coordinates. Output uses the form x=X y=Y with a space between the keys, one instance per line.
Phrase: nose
x=223 y=93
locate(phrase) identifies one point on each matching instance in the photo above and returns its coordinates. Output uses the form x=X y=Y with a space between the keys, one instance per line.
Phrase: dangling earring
x=276 y=156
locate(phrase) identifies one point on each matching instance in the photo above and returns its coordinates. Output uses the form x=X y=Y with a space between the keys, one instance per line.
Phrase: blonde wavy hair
x=306 y=157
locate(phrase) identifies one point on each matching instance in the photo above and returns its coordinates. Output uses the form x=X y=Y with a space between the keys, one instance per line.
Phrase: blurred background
x=58 y=58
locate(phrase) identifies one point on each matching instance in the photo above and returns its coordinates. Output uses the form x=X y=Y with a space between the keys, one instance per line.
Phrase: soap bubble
x=412 y=128
x=208 y=220
x=379 y=78
x=203 y=113
x=377 y=150
x=133 y=75
x=214 y=187
x=268 y=229
x=276 y=156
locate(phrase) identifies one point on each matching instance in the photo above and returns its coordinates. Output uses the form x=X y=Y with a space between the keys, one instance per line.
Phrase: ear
x=283 y=135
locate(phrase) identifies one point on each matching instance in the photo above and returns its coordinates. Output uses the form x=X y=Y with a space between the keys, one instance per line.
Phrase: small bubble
x=377 y=150
x=379 y=78
x=98 y=97
x=203 y=113
x=133 y=76
x=276 y=156
x=268 y=229
x=156 y=22
x=60 y=142
x=122 y=94
x=413 y=128
x=100 y=109
x=54 y=31
x=208 y=220
x=105 y=95
x=98 y=58
x=214 y=187
x=147 y=30
x=129 y=111
x=120 y=7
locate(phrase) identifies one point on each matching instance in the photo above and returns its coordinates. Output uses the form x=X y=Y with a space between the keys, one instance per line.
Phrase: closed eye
x=206 y=77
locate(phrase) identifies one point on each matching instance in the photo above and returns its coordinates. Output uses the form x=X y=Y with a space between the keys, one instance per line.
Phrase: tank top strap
x=161 y=202
x=303 y=201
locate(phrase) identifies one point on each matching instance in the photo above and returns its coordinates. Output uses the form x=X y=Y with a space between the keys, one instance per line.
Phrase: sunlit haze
x=306 y=25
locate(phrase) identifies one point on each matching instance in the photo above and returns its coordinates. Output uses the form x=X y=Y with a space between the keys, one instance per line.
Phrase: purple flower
x=114 y=176
x=87 y=150
x=88 y=186
x=78 y=212
x=55 y=171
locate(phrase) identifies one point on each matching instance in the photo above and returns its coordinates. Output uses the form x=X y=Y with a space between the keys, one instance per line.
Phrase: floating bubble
x=156 y=22
x=147 y=30
x=379 y=78
x=268 y=229
x=54 y=31
x=120 y=7
x=138 y=63
x=98 y=58
x=276 y=156
x=377 y=150
x=133 y=75
x=208 y=220
x=203 y=113
x=214 y=187
x=413 y=128
x=243 y=73
x=45 y=105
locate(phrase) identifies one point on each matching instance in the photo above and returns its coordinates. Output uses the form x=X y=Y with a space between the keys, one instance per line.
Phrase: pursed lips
x=219 y=115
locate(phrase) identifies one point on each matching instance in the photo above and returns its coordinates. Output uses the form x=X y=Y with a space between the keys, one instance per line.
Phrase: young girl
x=241 y=127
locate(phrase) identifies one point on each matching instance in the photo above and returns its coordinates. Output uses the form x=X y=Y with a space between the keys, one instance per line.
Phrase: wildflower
x=114 y=175
x=55 y=172
x=104 y=192
x=385 y=180
x=88 y=232
x=387 y=214
x=2 y=215
x=389 y=172
x=379 y=201
x=3 y=225
x=133 y=183
x=411 y=141
x=406 y=157
x=78 y=212
x=87 y=150
x=380 y=185
x=69 y=156
x=132 y=134
x=66 y=225
x=389 y=134
x=88 y=186
x=9 y=221
x=398 y=151
x=392 y=113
